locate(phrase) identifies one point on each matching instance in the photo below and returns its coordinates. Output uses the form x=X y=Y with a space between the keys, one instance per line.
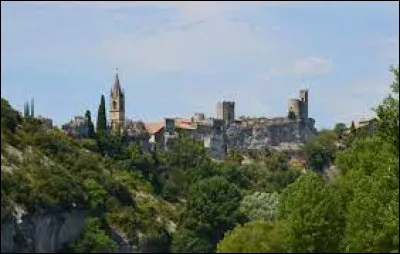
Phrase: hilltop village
x=219 y=134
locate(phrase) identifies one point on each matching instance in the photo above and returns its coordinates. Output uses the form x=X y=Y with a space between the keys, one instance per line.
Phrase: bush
x=260 y=206
x=253 y=237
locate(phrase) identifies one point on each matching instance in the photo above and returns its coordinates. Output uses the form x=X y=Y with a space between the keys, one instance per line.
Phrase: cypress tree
x=32 y=108
x=26 y=109
x=101 y=117
x=90 y=124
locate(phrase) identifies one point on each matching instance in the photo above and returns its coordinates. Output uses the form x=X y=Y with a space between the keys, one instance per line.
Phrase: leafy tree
x=9 y=117
x=340 y=129
x=372 y=216
x=388 y=114
x=370 y=187
x=188 y=241
x=242 y=176
x=321 y=150
x=260 y=206
x=275 y=181
x=97 y=193
x=253 y=237
x=91 y=132
x=312 y=215
x=186 y=153
x=101 y=117
x=93 y=239
x=212 y=208
x=186 y=162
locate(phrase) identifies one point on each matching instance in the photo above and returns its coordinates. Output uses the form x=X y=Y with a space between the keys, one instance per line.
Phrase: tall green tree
x=26 y=109
x=90 y=124
x=212 y=208
x=388 y=113
x=101 y=117
x=370 y=183
x=312 y=214
x=32 y=108
x=93 y=239
x=321 y=150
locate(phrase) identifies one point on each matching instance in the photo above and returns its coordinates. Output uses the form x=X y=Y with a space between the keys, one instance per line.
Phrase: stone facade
x=78 y=127
x=217 y=134
x=224 y=132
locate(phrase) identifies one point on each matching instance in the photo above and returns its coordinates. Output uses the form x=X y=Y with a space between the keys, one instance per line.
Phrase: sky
x=178 y=58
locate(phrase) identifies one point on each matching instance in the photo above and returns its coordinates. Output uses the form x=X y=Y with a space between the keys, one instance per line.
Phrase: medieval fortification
x=218 y=134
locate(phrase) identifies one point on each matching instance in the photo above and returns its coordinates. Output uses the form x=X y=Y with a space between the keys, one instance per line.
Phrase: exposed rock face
x=269 y=134
x=51 y=232
x=41 y=233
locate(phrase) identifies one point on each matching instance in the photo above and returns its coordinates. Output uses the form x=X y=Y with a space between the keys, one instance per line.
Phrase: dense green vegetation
x=266 y=206
x=357 y=213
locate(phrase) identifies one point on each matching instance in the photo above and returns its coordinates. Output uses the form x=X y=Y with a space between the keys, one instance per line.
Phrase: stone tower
x=226 y=111
x=117 y=106
x=300 y=106
x=304 y=104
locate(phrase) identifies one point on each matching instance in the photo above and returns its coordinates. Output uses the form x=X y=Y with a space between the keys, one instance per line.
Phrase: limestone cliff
x=50 y=232
x=269 y=134
x=41 y=232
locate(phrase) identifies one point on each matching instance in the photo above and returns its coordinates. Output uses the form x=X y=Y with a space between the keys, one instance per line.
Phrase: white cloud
x=209 y=47
x=306 y=66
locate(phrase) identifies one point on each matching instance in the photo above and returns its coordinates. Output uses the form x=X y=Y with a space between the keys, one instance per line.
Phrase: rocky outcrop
x=269 y=134
x=41 y=232
x=52 y=232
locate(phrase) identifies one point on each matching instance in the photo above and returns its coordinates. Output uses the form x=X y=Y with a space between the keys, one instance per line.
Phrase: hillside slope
x=52 y=189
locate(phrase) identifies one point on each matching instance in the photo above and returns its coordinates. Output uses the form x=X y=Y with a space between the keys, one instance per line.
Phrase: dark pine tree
x=101 y=117
x=90 y=124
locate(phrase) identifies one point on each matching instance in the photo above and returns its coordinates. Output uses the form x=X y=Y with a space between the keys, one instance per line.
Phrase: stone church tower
x=117 y=106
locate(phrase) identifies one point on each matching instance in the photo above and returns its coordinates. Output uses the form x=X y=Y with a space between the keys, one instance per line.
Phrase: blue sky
x=177 y=58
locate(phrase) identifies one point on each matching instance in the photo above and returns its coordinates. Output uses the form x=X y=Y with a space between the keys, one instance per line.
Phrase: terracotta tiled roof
x=182 y=123
x=185 y=126
x=153 y=128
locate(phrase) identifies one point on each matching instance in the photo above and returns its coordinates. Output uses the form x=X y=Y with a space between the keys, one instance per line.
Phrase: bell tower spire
x=117 y=105
x=117 y=86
